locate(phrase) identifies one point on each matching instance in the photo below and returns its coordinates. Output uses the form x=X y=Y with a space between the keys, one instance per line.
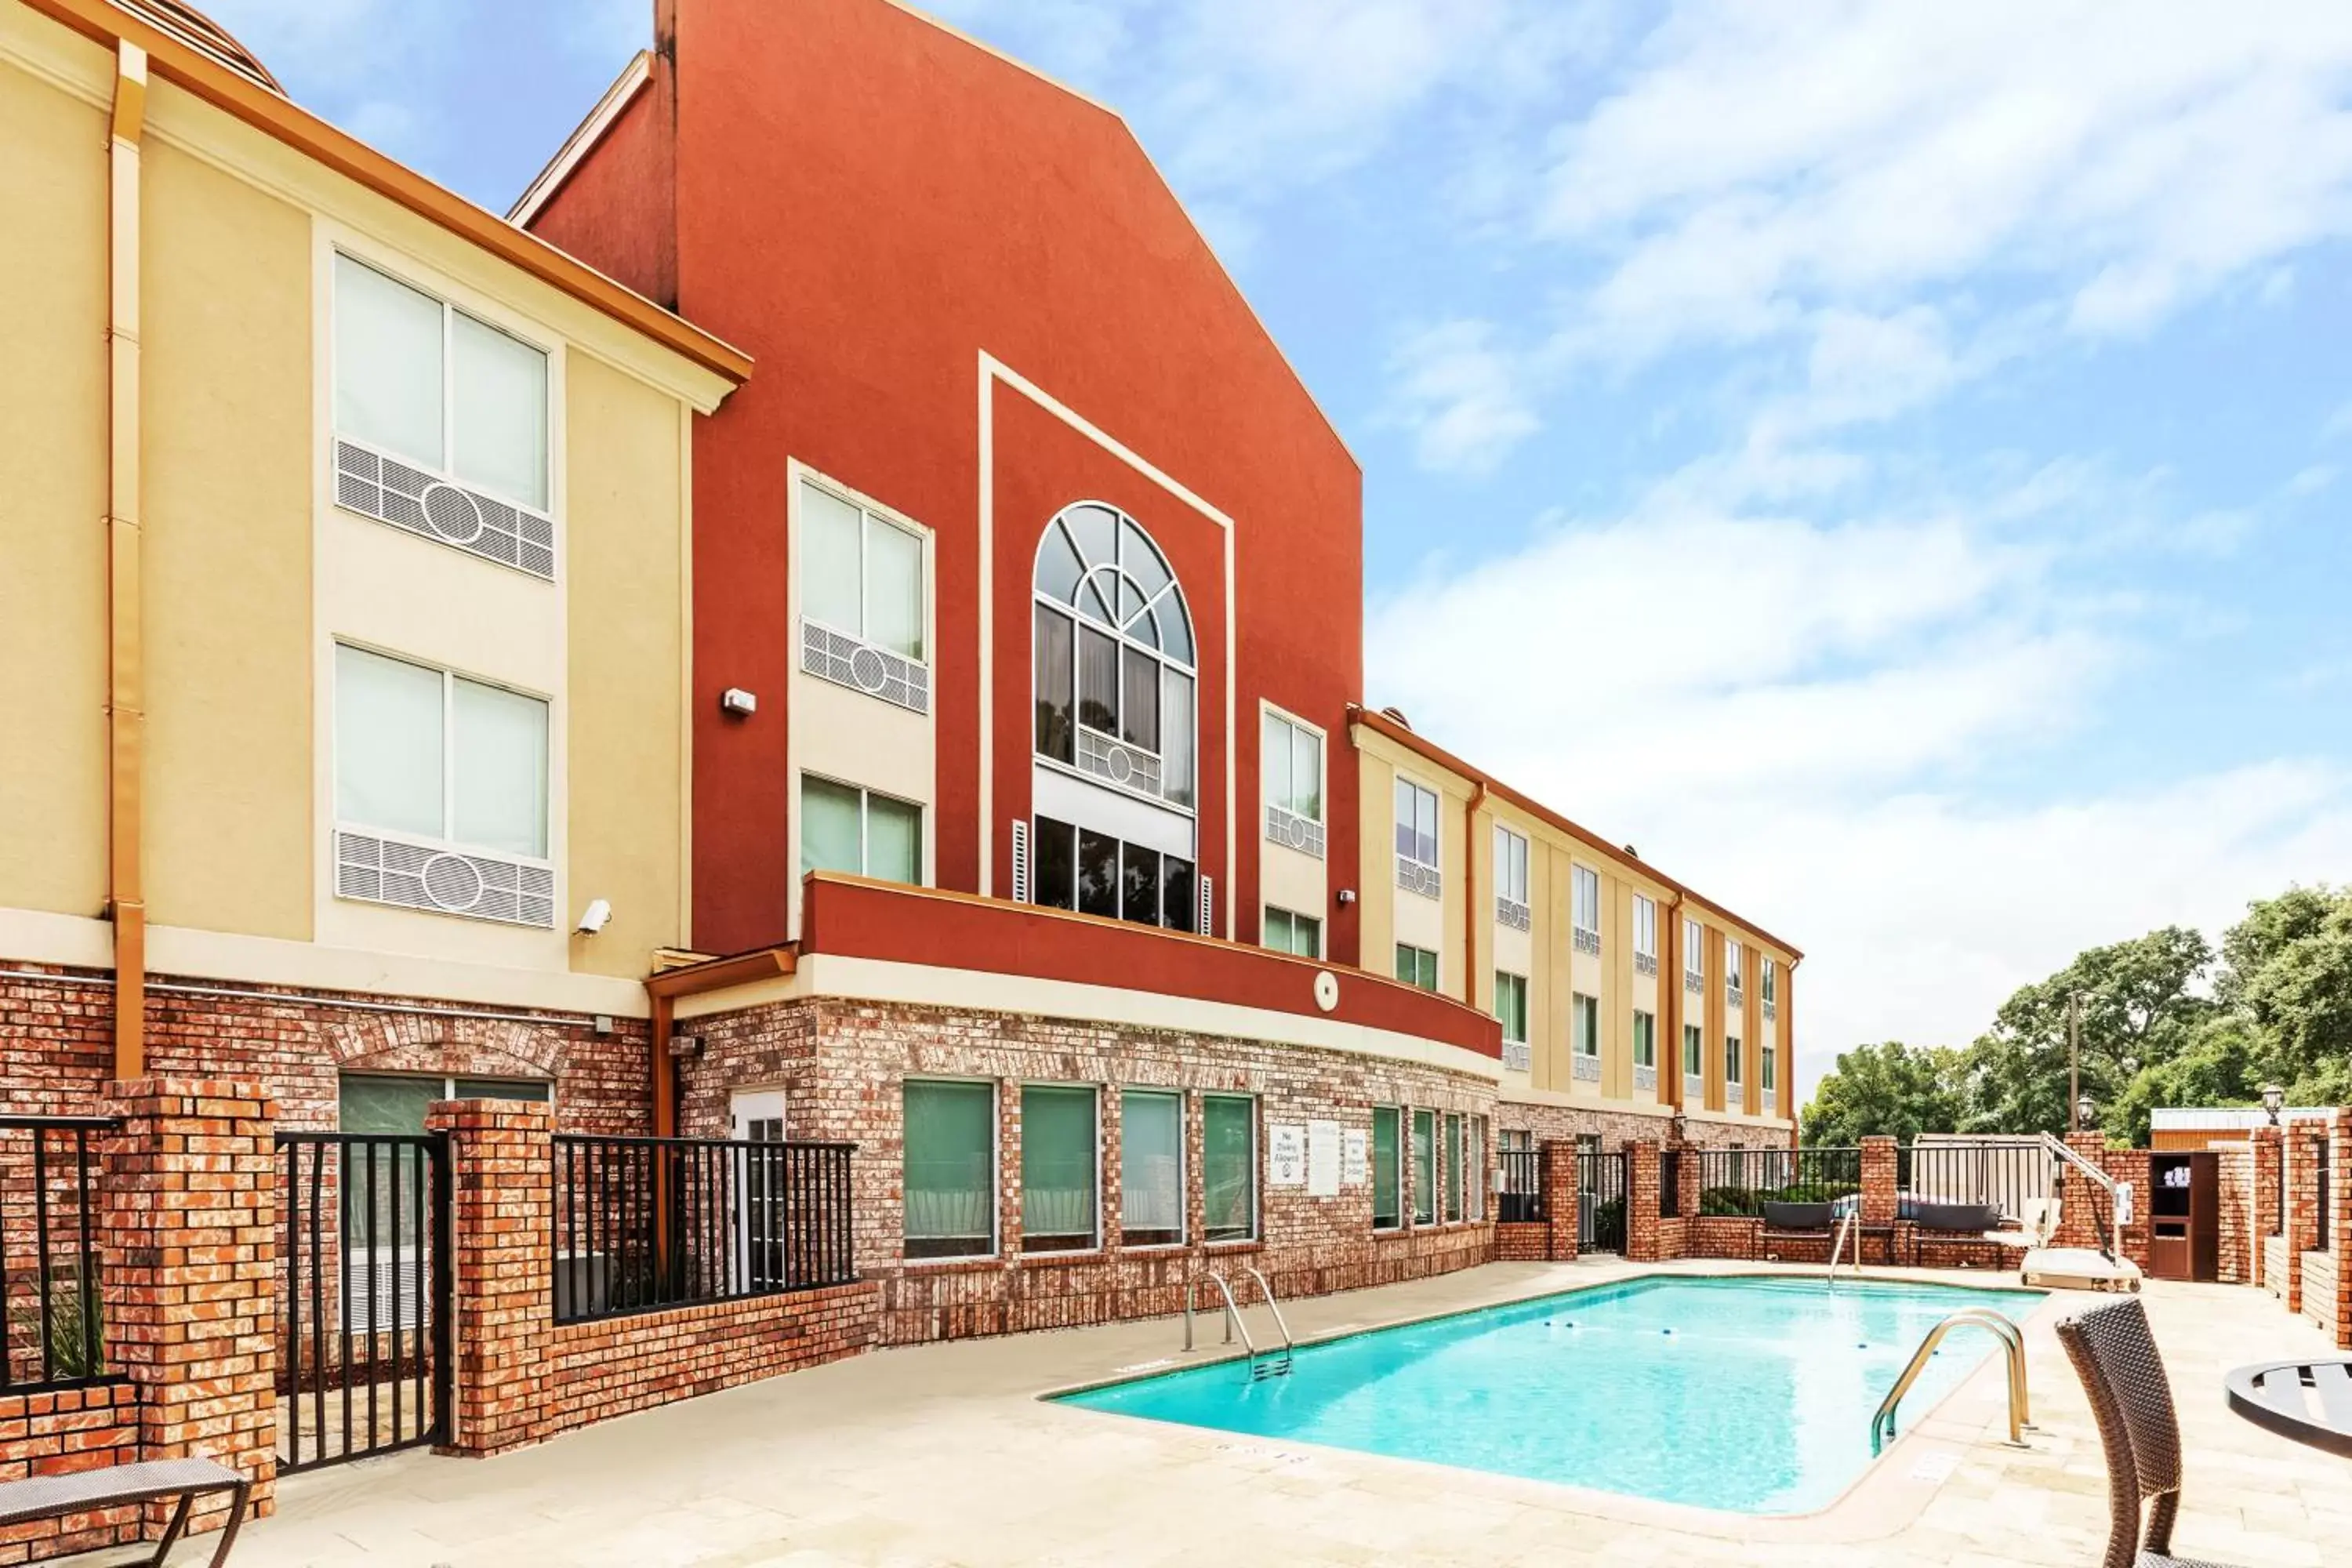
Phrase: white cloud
x=1465 y=401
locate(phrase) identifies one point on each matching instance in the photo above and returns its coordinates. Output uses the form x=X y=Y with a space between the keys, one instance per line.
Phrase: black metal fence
x=364 y=1361
x=51 y=1311
x=2012 y=1176
x=1670 y=1183
x=1599 y=1201
x=1521 y=1200
x=1741 y=1181
x=643 y=1224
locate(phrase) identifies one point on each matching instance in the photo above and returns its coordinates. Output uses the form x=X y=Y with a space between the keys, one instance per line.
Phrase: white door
x=757 y=1116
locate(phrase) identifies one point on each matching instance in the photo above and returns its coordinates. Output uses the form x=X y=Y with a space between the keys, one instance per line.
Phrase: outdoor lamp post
x=2273 y=1101
x=2084 y=1109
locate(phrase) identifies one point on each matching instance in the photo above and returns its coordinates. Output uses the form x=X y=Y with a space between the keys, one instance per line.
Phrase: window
x=1229 y=1166
x=1694 y=1051
x=1288 y=932
x=1416 y=966
x=1115 y=664
x=1387 y=1186
x=861 y=573
x=1150 y=1168
x=1511 y=1006
x=1645 y=933
x=1510 y=866
x=1453 y=1165
x=1058 y=1139
x=1731 y=955
x=843 y=828
x=1474 y=1164
x=393 y=1104
x=1645 y=1039
x=1765 y=1078
x=432 y=386
x=1293 y=758
x=1416 y=824
x=950 y=1169
x=1098 y=874
x=1731 y=1059
x=430 y=755
x=1693 y=955
x=1585 y=913
x=1425 y=1167
x=1584 y=1024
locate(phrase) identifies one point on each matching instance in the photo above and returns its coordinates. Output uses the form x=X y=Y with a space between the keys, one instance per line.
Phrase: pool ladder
x=2012 y=1345
x=1275 y=1363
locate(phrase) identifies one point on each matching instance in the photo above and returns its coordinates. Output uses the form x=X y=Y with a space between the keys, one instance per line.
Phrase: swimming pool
x=1749 y=1395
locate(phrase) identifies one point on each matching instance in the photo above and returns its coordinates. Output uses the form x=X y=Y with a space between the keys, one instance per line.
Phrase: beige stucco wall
x=627 y=450
x=52 y=497
x=226 y=345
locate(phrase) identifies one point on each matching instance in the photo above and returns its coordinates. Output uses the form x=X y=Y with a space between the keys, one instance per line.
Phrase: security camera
x=595 y=917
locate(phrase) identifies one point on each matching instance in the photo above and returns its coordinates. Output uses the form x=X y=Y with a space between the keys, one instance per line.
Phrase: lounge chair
x=2115 y=1355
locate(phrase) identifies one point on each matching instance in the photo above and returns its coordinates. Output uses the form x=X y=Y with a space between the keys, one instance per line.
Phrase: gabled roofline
x=174 y=61
x=633 y=81
x=1382 y=725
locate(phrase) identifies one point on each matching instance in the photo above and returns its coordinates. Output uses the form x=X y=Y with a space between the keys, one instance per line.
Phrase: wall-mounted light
x=595 y=917
x=738 y=703
x=1346 y=897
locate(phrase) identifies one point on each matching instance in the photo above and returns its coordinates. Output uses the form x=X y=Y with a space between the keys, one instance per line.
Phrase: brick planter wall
x=2236 y=1261
x=52 y=1434
x=1530 y=1243
x=842 y=1065
x=2266 y=1219
x=2326 y=1282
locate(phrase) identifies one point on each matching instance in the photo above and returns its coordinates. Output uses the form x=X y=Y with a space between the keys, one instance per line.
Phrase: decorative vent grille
x=444 y=881
x=1020 y=860
x=845 y=660
x=1514 y=914
x=1734 y=996
x=1646 y=1078
x=430 y=507
x=381 y=1288
x=1208 y=906
x=1587 y=941
x=1693 y=982
x=1415 y=878
x=1587 y=1069
x=1117 y=764
x=1771 y=1011
x=1517 y=1056
x=1645 y=963
x=1289 y=828
x=1694 y=1090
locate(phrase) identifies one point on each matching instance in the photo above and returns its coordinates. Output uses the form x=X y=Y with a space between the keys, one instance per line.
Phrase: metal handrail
x=1845 y=1228
x=1233 y=1311
x=1273 y=1306
x=2065 y=1154
x=2012 y=1343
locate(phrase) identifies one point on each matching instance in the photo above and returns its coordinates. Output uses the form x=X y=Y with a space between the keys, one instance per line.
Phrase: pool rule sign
x=1307 y=1156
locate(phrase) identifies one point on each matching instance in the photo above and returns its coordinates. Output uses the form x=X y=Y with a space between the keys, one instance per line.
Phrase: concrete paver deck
x=943 y=1454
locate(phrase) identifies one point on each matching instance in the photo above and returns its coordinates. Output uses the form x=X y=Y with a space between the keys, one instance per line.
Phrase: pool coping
x=1884 y=1498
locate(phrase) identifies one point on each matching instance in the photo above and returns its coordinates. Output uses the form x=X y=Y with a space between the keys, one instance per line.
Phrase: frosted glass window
x=1510 y=866
x=499 y=423
x=1587 y=909
x=1151 y=1168
x=388 y=368
x=1294 y=768
x=894 y=839
x=498 y=796
x=1416 y=822
x=832 y=834
x=388 y=743
x=894 y=589
x=1584 y=1024
x=950 y=1176
x=1387 y=1199
x=1176 y=735
x=1057 y=1168
x=831 y=546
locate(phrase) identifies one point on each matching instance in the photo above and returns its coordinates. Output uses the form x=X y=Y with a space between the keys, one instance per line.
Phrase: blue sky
x=1882 y=460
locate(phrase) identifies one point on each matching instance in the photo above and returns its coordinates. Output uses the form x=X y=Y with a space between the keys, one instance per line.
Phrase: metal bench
x=86 y=1492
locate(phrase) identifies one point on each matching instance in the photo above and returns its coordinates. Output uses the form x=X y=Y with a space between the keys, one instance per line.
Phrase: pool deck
x=942 y=1454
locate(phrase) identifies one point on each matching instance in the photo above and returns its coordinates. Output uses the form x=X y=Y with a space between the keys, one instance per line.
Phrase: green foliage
x=1888 y=1089
x=1749 y=1202
x=76 y=1345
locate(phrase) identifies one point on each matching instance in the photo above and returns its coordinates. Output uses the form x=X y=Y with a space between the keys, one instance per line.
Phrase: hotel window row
x=1446 y=1156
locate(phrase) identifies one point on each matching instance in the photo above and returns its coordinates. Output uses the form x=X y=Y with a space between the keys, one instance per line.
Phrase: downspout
x=126 y=716
x=1470 y=893
x=1670 y=981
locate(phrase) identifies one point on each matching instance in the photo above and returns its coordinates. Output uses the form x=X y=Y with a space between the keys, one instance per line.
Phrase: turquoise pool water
x=1751 y=1395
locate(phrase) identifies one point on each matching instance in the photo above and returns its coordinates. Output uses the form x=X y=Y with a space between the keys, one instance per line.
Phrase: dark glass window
x=1057 y=867
x=1098 y=681
x=1140 y=882
x=1140 y=713
x=1056 y=736
x=1181 y=891
x=1098 y=874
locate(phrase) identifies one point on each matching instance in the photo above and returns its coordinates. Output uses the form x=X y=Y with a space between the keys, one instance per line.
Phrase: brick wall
x=522 y=1378
x=2268 y=1190
x=51 y=1433
x=1615 y=1128
x=843 y=1064
x=2305 y=1143
x=2239 y=1255
x=2326 y=1283
x=56 y=1048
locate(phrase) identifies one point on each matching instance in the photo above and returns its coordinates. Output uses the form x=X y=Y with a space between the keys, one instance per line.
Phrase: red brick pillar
x=2336 y=1317
x=1559 y=1197
x=2084 y=1216
x=2129 y=1167
x=502 y=1306
x=2300 y=1221
x=1880 y=1199
x=190 y=1239
x=2264 y=1207
x=1641 y=1200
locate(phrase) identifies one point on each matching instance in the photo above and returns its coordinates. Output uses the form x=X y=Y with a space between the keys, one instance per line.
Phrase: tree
x=2139 y=1010
x=1886 y=1089
x=2290 y=976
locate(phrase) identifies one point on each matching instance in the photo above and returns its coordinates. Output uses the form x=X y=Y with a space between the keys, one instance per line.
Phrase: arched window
x=1115 y=668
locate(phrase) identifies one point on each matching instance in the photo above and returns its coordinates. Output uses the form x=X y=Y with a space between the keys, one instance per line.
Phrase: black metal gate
x=1599 y=1201
x=364 y=1352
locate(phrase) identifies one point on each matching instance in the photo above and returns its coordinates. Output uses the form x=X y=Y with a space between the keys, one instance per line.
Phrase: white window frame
x=1735 y=1051
x=1315 y=733
x=995 y=1173
x=871 y=513
x=445 y=469
x=1642 y=1014
x=1437 y=817
x=1584 y=1026
x=1266 y=913
x=1584 y=906
x=1510 y=865
x=1645 y=933
x=1520 y=981
x=1694 y=953
x=450 y=677
x=864 y=817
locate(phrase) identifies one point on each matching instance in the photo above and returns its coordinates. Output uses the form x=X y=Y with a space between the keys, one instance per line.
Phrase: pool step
x=1274 y=1364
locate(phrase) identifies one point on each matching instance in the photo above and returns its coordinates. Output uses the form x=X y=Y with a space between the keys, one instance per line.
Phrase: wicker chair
x=2115 y=1355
